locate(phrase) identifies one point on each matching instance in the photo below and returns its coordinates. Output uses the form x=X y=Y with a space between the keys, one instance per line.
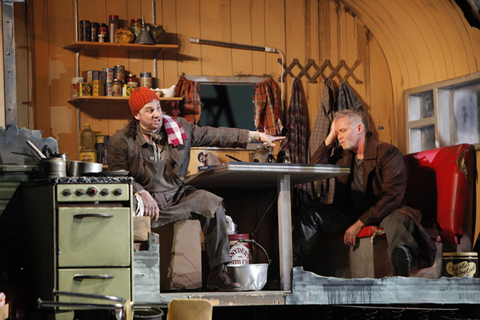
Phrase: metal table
x=259 y=175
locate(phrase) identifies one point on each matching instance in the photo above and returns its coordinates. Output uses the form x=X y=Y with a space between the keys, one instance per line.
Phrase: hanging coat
x=323 y=189
x=296 y=141
x=347 y=99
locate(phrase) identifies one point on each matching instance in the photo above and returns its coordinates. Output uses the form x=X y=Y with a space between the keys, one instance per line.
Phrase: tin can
x=89 y=76
x=117 y=88
x=98 y=89
x=128 y=89
x=84 y=89
x=239 y=251
x=75 y=81
x=458 y=264
x=146 y=79
x=102 y=32
x=94 y=31
x=108 y=89
x=110 y=75
x=96 y=75
x=119 y=73
x=85 y=31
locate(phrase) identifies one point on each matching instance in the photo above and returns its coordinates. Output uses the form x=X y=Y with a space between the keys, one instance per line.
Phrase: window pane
x=459 y=114
x=422 y=139
x=421 y=106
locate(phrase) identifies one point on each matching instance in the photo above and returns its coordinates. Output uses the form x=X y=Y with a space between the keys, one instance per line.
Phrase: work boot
x=220 y=280
x=401 y=260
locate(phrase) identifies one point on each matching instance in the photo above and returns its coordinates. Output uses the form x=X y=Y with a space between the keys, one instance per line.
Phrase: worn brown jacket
x=134 y=155
x=385 y=183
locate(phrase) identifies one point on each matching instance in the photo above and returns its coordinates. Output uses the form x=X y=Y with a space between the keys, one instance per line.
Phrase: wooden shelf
x=87 y=45
x=112 y=99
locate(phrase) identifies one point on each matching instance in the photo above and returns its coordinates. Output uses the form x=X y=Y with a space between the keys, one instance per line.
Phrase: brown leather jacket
x=385 y=183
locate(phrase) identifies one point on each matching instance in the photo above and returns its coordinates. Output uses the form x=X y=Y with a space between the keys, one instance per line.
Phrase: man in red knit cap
x=155 y=148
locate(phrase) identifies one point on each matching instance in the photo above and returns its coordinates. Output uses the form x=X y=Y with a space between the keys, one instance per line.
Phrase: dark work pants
x=316 y=218
x=216 y=237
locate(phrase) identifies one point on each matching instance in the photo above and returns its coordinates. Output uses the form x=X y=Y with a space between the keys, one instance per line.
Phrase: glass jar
x=85 y=31
x=94 y=29
x=112 y=27
x=136 y=26
x=132 y=79
x=117 y=88
x=146 y=80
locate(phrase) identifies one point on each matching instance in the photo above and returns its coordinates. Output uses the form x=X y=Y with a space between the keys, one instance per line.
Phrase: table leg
x=285 y=231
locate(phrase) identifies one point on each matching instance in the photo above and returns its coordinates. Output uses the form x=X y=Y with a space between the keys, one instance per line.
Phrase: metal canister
x=102 y=32
x=108 y=89
x=96 y=75
x=89 y=76
x=110 y=75
x=146 y=79
x=94 y=31
x=117 y=88
x=85 y=31
x=98 y=88
x=119 y=73
x=458 y=264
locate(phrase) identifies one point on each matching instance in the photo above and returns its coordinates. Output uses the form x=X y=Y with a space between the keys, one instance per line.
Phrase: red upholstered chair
x=440 y=184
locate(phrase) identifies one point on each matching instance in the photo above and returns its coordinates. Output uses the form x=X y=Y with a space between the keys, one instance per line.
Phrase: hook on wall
x=319 y=71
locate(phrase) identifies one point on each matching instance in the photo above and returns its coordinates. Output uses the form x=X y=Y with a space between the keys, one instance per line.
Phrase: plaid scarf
x=266 y=108
x=175 y=133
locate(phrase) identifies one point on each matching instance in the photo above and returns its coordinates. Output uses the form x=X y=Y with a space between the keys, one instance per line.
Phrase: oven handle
x=92 y=215
x=81 y=277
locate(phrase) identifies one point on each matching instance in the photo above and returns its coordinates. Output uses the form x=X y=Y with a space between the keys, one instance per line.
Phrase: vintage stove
x=79 y=236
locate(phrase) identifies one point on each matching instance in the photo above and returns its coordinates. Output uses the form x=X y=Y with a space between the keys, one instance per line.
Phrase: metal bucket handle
x=258 y=244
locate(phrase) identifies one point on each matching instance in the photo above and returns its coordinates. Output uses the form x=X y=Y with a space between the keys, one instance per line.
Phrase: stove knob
x=92 y=191
x=67 y=192
x=80 y=192
x=105 y=192
x=117 y=192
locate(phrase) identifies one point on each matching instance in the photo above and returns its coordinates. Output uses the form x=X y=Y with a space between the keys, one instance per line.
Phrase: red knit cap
x=140 y=97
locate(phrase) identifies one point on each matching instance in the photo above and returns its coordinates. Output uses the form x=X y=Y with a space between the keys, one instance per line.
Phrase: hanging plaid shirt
x=296 y=141
x=191 y=106
x=266 y=108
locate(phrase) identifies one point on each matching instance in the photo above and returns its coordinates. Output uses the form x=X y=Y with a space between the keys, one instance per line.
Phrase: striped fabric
x=266 y=108
x=191 y=106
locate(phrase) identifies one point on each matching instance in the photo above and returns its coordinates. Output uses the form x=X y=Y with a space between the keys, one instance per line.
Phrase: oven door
x=94 y=237
x=106 y=282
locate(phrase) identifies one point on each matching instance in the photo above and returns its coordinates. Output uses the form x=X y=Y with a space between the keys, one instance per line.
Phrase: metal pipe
x=233 y=45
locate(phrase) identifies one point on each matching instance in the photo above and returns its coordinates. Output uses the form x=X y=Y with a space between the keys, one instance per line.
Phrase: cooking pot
x=79 y=168
x=52 y=167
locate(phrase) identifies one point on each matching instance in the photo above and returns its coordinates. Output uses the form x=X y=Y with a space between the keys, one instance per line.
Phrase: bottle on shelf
x=88 y=152
x=271 y=157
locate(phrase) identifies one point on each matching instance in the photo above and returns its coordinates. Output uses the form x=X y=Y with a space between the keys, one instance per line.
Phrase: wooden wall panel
x=241 y=29
x=215 y=24
x=258 y=36
x=399 y=44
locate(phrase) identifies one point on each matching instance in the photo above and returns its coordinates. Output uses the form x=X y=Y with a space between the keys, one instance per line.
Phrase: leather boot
x=220 y=280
